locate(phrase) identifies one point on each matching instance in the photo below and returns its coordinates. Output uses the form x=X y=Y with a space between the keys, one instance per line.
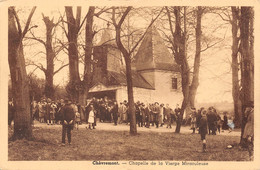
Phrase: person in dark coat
x=203 y=129
x=199 y=115
x=168 y=113
x=97 y=110
x=58 y=115
x=178 y=115
x=152 y=119
x=68 y=116
x=156 y=112
x=138 y=113
x=114 y=111
x=212 y=121
x=143 y=115
x=225 y=122
x=147 y=115
x=102 y=107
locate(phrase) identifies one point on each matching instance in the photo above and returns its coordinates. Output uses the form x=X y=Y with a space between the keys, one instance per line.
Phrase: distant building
x=156 y=76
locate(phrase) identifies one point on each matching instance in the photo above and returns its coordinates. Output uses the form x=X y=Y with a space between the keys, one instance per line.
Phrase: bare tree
x=188 y=20
x=196 y=66
x=88 y=73
x=51 y=54
x=20 y=87
x=127 y=57
x=72 y=35
x=179 y=49
x=79 y=87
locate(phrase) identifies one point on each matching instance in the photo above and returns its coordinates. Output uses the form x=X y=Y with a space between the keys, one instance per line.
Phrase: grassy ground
x=111 y=145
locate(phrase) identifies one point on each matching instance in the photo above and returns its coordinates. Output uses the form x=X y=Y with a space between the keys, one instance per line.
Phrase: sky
x=215 y=73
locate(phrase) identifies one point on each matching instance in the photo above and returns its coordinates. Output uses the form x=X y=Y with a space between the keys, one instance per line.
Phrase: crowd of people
x=215 y=122
x=67 y=113
x=108 y=110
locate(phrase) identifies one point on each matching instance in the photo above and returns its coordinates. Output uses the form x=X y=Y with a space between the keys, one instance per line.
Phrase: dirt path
x=124 y=127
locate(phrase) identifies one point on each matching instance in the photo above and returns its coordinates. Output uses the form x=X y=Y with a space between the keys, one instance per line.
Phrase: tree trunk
x=127 y=57
x=73 y=29
x=20 y=86
x=50 y=54
x=185 y=72
x=251 y=50
x=235 y=67
x=180 y=51
x=195 y=78
x=133 y=128
x=88 y=64
x=88 y=67
x=130 y=93
x=247 y=65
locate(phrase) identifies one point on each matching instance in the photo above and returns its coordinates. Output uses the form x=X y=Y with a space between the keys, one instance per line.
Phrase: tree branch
x=141 y=38
x=36 y=39
x=40 y=66
x=60 y=69
x=62 y=26
x=105 y=20
x=28 y=21
x=124 y=16
x=209 y=46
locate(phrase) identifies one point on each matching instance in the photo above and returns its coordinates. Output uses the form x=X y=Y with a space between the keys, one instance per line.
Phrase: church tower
x=157 y=66
x=107 y=57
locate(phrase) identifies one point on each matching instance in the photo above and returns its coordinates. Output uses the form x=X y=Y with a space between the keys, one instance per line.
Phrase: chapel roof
x=154 y=54
x=120 y=79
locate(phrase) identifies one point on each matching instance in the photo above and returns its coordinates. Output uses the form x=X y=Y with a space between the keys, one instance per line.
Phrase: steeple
x=106 y=37
x=153 y=53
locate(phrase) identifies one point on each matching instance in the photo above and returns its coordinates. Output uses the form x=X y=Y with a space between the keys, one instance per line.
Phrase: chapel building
x=155 y=74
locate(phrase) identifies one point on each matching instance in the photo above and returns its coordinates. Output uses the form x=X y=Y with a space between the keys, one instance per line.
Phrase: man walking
x=68 y=116
x=156 y=111
x=114 y=112
x=203 y=129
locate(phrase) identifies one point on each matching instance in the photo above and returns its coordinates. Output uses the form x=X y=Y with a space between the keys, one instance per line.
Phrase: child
x=91 y=116
x=77 y=120
x=231 y=124
x=203 y=129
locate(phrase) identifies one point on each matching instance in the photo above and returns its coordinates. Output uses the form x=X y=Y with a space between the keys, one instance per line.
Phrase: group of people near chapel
x=67 y=113
x=108 y=110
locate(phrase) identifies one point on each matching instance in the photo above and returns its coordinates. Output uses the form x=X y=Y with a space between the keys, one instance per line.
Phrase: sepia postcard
x=131 y=84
